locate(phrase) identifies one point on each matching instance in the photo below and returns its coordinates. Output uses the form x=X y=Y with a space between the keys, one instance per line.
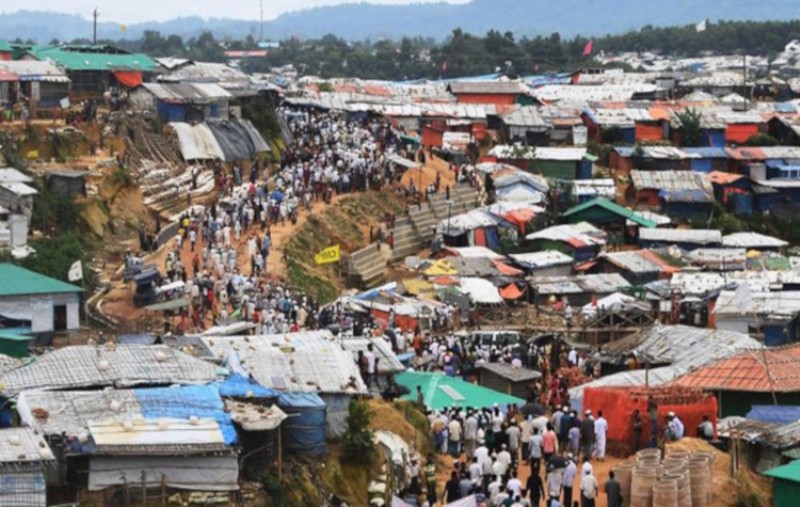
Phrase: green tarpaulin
x=440 y=391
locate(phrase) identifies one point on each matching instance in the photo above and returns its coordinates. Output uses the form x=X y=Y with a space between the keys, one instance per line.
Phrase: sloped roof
x=766 y=370
x=696 y=236
x=440 y=391
x=309 y=361
x=17 y=281
x=671 y=181
x=486 y=87
x=752 y=240
x=613 y=208
x=640 y=261
x=79 y=58
x=787 y=472
x=81 y=366
x=22 y=445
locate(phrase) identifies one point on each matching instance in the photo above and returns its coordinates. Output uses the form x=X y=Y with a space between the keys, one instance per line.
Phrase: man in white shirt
x=470 y=434
x=514 y=485
x=526 y=432
x=588 y=489
x=570 y=473
x=454 y=429
x=504 y=456
x=600 y=433
x=536 y=451
x=475 y=472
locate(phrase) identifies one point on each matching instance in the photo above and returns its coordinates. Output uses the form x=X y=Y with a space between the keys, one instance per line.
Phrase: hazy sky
x=131 y=11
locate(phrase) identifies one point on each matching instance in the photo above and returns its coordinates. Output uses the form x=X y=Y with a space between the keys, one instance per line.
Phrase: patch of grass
x=311 y=283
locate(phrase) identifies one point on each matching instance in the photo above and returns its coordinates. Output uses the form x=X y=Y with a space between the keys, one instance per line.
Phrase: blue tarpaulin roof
x=238 y=386
x=183 y=402
x=300 y=400
x=775 y=414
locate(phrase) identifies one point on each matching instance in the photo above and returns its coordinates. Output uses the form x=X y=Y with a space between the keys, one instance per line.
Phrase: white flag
x=701 y=26
x=743 y=298
x=75 y=272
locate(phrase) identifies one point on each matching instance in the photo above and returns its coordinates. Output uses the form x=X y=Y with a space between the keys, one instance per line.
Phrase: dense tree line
x=465 y=54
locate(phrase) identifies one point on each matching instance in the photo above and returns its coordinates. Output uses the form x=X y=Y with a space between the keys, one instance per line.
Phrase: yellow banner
x=328 y=256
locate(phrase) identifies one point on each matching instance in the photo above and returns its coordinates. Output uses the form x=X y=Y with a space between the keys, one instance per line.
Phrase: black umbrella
x=556 y=461
x=532 y=409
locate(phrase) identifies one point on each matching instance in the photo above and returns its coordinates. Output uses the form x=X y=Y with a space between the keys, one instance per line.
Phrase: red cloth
x=511 y=292
x=130 y=79
x=587 y=50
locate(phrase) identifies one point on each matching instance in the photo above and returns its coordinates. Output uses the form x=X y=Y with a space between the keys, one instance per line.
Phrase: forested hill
x=359 y=21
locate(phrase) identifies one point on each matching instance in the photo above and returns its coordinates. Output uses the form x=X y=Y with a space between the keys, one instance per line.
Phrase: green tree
x=761 y=140
x=690 y=128
x=357 y=444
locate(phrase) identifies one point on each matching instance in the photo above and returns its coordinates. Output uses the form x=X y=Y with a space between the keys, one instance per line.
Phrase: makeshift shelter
x=687 y=239
x=441 y=392
x=304 y=430
x=618 y=404
x=179 y=438
x=581 y=241
x=670 y=351
x=506 y=379
x=753 y=377
x=43 y=83
x=544 y=263
x=579 y=290
x=785 y=484
x=42 y=303
x=638 y=266
x=681 y=194
x=774 y=315
x=24 y=455
x=84 y=366
x=304 y=362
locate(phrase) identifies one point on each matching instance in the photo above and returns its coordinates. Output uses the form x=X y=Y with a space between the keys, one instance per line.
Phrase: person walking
x=430 y=478
x=613 y=491
x=587 y=434
x=588 y=489
x=570 y=473
x=600 y=433
x=534 y=489
x=536 y=451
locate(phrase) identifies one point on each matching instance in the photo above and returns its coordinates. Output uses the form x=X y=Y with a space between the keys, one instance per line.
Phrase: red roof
x=767 y=370
x=6 y=76
x=723 y=178
x=511 y=292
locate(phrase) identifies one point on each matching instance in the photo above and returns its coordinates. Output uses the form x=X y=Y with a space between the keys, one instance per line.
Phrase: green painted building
x=785 y=484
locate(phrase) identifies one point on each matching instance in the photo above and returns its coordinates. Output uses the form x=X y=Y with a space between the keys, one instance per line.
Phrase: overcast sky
x=131 y=11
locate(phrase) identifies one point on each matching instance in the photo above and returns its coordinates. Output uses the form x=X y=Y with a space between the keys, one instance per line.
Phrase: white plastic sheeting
x=196 y=473
x=481 y=291
x=197 y=142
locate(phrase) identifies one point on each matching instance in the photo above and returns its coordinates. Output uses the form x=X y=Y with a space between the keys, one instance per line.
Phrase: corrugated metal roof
x=487 y=87
x=538 y=153
x=22 y=445
x=752 y=240
x=388 y=360
x=35 y=70
x=670 y=181
x=695 y=236
x=509 y=372
x=599 y=283
x=187 y=92
x=543 y=259
x=639 y=261
x=766 y=370
x=311 y=361
x=780 y=305
x=684 y=347
x=11 y=175
x=525 y=116
x=613 y=208
x=78 y=58
x=88 y=366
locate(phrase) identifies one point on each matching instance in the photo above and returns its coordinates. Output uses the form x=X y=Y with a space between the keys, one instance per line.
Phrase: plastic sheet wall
x=618 y=405
x=304 y=430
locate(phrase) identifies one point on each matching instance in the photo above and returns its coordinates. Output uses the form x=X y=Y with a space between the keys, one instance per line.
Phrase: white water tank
x=18 y=227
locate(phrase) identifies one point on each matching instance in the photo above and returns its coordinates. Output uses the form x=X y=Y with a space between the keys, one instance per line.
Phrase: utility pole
x=95 y=14
x=261 y=24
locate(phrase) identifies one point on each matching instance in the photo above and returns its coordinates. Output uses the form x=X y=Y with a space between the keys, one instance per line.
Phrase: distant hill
x=358 y=21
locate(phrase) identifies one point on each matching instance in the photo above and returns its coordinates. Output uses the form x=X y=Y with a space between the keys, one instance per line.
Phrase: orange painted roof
x=507 y=270
x=381 y=91
x=511 y=292
x=722 y=178
x=775 y=369
x=654 y=258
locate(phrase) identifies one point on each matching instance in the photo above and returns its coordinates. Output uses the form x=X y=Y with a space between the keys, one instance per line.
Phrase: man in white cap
x=674 y=430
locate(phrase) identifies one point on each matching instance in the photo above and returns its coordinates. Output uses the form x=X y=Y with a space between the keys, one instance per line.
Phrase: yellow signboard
x=328 y=256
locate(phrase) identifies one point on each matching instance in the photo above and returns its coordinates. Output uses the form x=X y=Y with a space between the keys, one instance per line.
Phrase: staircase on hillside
x=369 y=266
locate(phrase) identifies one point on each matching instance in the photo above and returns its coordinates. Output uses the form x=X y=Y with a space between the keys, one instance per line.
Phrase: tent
x=440 y=391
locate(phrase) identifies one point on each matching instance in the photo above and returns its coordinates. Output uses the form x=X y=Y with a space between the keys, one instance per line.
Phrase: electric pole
x=261 y=24
x=95 y=14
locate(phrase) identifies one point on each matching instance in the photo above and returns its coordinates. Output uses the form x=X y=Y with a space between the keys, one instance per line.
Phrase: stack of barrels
x=681 y=479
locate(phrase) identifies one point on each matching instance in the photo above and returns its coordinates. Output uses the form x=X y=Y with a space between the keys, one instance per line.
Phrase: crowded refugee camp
x=240 y=269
